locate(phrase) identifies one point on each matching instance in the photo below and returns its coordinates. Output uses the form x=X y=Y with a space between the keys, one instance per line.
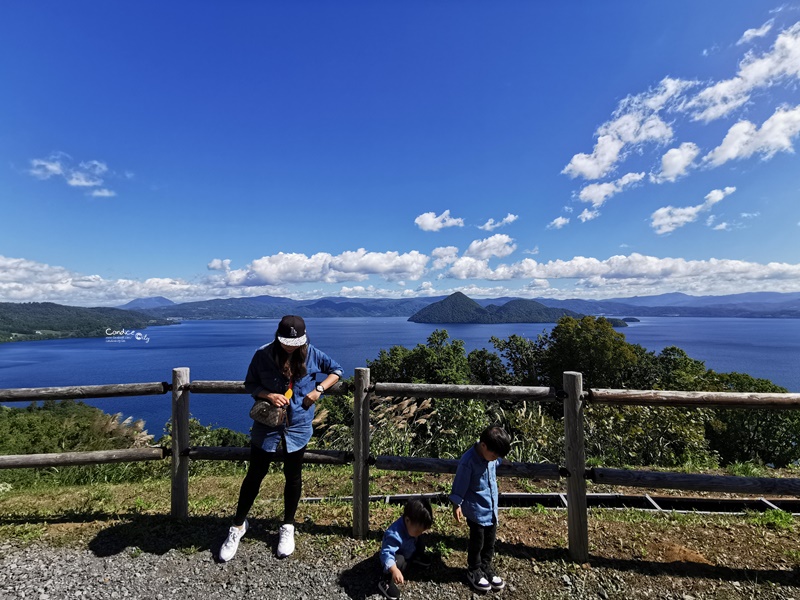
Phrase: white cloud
x=220 y=265
x=751 y=34
x=595 y=165
x=533 y=251
x=781 y=62
x=286 y=268
x=558 y=223
x=588 y=215
x=669 y=218
x=636 y=121
x=676 y=162
x=499 y=245
x=444 y=256
x=722 y=227
x=745 y=139
x=23 y=280
x=490 y=225
x=598 y=193
x=89 y=173
x=42 y=168
x=430 y=222
x=750 y=215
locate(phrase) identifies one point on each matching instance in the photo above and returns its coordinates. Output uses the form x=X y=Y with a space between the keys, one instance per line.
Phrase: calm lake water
x=768 y=348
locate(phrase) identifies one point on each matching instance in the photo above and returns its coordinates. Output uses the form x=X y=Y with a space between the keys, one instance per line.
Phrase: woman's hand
x=277 y=400
x=311 y=398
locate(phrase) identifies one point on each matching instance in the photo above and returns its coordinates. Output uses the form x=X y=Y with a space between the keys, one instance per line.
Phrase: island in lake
x=458 y=308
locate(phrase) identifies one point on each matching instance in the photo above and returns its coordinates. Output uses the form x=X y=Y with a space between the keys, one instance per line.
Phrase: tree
x=769 y=436
x=591 y=346
x=523 y=358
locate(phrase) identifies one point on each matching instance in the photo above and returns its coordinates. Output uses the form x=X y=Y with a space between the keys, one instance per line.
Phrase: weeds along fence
x=574 y=398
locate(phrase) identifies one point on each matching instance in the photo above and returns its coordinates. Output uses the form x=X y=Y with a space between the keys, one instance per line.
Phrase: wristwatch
x=320 y=389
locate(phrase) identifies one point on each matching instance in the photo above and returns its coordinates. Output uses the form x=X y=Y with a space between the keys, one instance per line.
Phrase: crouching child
x=401 y=545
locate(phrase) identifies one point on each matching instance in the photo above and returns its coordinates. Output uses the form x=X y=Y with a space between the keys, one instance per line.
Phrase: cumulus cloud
x=444 y=256
x=286 y=268
x=781 y=62
x=751 y=34
x=23 y=280
x=558 y=223
x=220 y=265
x=86 y=174
x=669 y=218
x=490 y=225
x=499 y=245
x=676 y=162
x=430 y=222
x=635 y=122
x=744 y=139
x=588 y=215
x=598 y=193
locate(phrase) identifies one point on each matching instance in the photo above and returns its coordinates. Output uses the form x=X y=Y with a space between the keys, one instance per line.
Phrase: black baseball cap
x=292 y=331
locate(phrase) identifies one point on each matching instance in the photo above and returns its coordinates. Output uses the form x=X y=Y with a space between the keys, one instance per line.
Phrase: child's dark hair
x=419 y=511
x=497 y=440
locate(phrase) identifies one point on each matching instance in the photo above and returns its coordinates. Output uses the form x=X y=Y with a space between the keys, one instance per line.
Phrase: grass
x=73 y=514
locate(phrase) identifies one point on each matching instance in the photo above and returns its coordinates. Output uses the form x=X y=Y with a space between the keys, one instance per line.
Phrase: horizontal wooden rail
x=488 y=392
x=84 y=391
x=23 y=461
x=697 y=482
x=439 y=465
x=320 y=457
x=691 y=399
x=237 y=387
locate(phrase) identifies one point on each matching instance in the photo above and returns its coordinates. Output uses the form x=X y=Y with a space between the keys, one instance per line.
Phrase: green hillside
x=458 y=308
x=46 y=320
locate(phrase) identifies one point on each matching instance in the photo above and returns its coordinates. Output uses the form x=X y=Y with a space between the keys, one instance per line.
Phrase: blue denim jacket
x=396 y=540
x=264 y=375
x=475 y=487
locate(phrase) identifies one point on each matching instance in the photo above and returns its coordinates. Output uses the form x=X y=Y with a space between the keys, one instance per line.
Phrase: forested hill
x=458 y=308
x=46 y=320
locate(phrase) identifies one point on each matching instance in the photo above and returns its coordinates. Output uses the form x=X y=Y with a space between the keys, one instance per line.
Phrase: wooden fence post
x=361 y=454
x=575 y=455
x=180 y=443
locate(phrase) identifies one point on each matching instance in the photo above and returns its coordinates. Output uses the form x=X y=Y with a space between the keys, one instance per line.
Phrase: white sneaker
x=285 y=540
x=231 y=544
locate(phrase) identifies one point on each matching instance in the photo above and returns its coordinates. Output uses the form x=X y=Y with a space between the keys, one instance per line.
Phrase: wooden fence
x=574 y=397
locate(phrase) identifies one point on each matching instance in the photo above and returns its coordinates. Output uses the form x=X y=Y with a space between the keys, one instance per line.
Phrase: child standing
x=474 y=496
x=399 y=546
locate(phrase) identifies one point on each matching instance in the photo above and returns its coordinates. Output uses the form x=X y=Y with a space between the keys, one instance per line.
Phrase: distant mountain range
x=754 y=305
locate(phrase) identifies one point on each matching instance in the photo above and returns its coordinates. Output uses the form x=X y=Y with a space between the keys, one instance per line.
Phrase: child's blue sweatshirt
x=396 y=539
x=475 y=487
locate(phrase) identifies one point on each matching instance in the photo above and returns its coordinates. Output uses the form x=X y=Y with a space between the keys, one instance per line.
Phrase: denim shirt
x=396 y=540
x=264 y=375
x=475 y=487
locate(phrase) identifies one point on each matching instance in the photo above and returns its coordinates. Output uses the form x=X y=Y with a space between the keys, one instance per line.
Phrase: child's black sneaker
x=388 y=589
x=478 y=580
x=494 y=579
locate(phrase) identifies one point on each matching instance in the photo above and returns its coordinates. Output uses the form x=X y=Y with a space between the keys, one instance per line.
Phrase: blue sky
x=393 y=149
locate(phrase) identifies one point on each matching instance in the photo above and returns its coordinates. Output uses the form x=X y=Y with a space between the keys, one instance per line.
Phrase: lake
x=767 y=348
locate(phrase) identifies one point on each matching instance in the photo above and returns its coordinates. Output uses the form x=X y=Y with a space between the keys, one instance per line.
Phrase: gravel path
x=336 y=571
x=41 y=572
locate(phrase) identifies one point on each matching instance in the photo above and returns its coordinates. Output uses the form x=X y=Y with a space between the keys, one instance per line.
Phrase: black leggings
x=259 y=465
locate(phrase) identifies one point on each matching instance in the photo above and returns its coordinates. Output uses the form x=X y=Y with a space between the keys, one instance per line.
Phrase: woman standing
x=288 y=363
